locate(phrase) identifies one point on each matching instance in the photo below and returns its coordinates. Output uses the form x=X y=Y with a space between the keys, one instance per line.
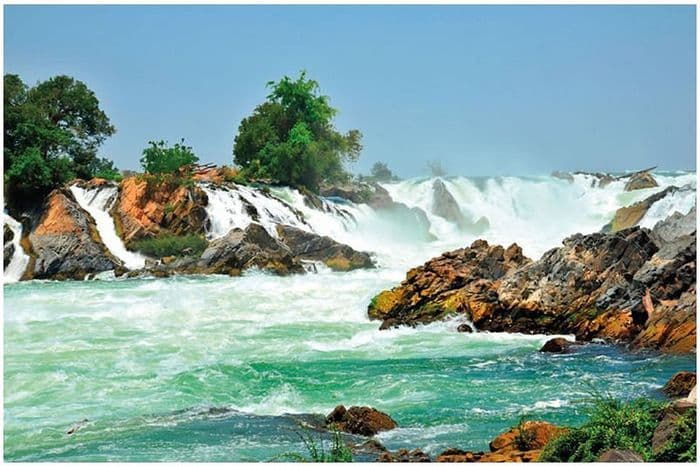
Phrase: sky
x=486 y=90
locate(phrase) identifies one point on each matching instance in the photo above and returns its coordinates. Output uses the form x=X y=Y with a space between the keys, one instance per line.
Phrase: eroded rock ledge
x=622 y=287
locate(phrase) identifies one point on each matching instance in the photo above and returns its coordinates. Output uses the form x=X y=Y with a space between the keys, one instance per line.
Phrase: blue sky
x=487 y=90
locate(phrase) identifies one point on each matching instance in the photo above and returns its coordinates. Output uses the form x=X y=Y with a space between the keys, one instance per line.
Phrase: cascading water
x=18 y=263
x=97 y=202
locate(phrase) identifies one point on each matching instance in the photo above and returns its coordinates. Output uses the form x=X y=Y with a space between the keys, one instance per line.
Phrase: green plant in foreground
x=611 y=424
x=523 y=440
x=682 y=445
x=316 y=451
x=171 y=245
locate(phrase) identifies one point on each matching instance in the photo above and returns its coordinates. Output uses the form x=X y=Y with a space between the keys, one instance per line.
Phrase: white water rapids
x=18 y=263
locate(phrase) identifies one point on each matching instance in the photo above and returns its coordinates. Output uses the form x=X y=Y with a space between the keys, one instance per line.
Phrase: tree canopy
x=290 y=138
x=158 y=158
x=381 y=172
x=52 y=132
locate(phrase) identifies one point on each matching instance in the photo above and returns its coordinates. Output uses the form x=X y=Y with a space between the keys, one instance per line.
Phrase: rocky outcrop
x=522 y=444
x=359 y=193
x=360 y=420
x=616 y=455
x=674 y=227
x=244 y=249
x=680 y=385
x=403 y=455
x=667 y=427
x=445 y=206
x=627 y=217
x=641 y=180
x=557 y=345
x=619 y=287
x=65 y=243
x=9 y=247
x=148 y=207
x=310 y=246
x=462 y=281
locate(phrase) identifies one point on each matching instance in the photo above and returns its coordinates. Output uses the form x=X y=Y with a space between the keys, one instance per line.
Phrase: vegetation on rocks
x=159 y=158
x=319 y=452
x=166 y=245
x=290 y=138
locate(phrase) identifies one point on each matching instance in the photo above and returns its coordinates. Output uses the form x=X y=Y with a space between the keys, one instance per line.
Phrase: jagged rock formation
x=360 y=420
x=310 y=246
x=65 y=243
x=627 y=217
x=641 y=180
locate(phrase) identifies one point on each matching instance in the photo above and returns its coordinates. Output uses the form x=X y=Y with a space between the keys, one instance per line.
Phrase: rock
x=445 y=205
x=147 y=207
x=461 y=281
x=310 y=246
x=243 y=249
x=465 y=328
x=627 y=217
x=75 y=427
x=65 y=242
x=9 y=247
x=641 y=180
x=404 y=456
x=563 y=176
x=369 y=447
x=557 y=345
x=620 y=456
x=360 y=420
x=674 y=227
x=680 y=385
x=667 y=425
x=359 y=193
x=599 y=180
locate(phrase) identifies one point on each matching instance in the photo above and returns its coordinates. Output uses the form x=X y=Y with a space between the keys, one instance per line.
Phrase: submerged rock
x=243 y=249
x=65 y=242
x=360 y=420
x=310 y=246
x=680 y=385
x=557 y=345
x=461 y=281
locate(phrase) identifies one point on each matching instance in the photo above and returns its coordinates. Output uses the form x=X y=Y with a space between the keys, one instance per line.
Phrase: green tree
x=52 y=132
x=158 y=158
x=290 y=138
x=380 y=172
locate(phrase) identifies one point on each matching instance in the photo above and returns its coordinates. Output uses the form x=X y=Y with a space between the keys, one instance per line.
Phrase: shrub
x=682 y=445
x=523 y=440
x=611 y=424
x=171 y=245
x=159 y=158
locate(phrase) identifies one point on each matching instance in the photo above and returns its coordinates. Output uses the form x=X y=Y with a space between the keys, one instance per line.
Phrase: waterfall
x=97 y=202
x=18 y=264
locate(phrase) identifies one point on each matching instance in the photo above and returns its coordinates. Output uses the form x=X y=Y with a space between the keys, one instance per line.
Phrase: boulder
x=641 y=180
x=360 y=420
x=616 y=455
x=627 y=217
x=310 y=246
x=445 y=205
x=674 y=227
x=404 y=456
x=9 y=247
x=465 y=328
x=243 y=249
x=462 y=281
x=557 y=345
x=148 y=207
x=65 y=242
x=358 y=192
x=680 y=385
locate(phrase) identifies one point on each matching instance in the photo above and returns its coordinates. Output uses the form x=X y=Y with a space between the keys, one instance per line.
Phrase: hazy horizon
x=487 y=90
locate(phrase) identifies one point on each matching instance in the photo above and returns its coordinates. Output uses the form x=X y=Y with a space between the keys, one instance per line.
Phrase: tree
x=52 y=133
x=290 y=138
x=435 y=168
x=380 y=172
x=160 y=159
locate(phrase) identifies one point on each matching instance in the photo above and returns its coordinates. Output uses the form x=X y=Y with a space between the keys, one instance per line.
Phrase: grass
x=171 y=245
x=613 y=424
x=337 y=452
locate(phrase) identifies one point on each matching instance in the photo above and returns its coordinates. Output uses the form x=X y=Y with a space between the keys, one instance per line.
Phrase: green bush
x=171 y=245
x=316 y=451
x=523 y=440
x=682 y=446
x=159 y=158
x=611 y=424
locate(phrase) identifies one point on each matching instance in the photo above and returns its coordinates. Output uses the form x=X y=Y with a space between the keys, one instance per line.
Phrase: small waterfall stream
x=18 y=264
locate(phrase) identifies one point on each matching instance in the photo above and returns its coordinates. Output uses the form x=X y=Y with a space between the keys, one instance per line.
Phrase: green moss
x=171 y=245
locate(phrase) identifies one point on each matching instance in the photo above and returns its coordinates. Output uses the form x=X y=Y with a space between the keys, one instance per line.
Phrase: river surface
x=207 y=368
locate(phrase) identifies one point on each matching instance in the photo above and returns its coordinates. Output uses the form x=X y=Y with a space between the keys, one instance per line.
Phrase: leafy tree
x=161 y=159
x=380 y=172
x=290 y=138
x=52 y=132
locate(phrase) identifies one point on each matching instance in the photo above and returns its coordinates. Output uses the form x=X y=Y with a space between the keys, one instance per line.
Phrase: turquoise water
x=145 y=361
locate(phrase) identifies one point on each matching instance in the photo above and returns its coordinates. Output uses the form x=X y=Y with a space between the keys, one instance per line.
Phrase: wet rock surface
x=8 y=248
x=557 y=345
x=641 y=180
x=360 y=420
x=630 y=216
x=680 y=385
x=65 y=243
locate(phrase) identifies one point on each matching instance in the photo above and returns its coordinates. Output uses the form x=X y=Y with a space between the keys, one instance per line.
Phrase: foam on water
x=98 y=201
x=18 y=263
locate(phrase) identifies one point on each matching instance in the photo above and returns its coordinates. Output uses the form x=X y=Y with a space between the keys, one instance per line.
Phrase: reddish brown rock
x=360 y=420
x=680 y=385
x=461 y=281
x=557 y=345
x=404 y=456
x=620 y=456
x=148 y=207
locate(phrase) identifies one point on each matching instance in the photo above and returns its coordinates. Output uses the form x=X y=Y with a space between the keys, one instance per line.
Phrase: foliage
x=51 y=134
x=611 y=424
x=290 y=138
x=682 y=446
x=159 y=158
x=104 y=168
x=381 y=172
x=435 y=168
x=171 y=245
x=316 y=452
x=525 y=436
